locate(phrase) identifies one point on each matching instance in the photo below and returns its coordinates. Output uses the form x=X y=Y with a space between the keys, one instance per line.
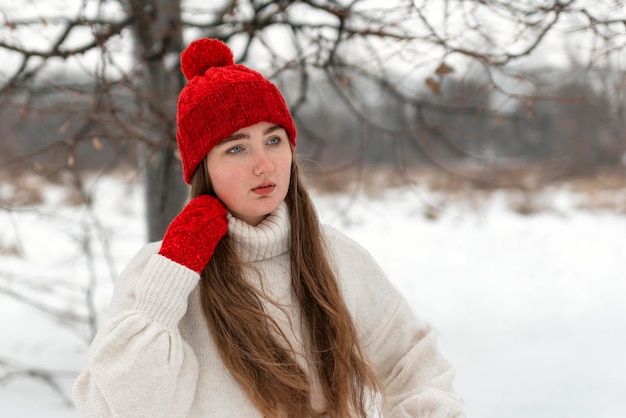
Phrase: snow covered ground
x=530 y=309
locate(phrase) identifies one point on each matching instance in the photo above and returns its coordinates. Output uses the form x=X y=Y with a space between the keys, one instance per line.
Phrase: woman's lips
x=264 y=189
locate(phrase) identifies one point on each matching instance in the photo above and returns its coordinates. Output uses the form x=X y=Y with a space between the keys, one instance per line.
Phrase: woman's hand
x=192 y=236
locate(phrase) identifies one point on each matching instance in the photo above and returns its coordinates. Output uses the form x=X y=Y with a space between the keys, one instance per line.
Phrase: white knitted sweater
x=155 y=356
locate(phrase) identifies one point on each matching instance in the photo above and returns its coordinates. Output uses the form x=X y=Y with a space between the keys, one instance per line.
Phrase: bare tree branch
x=13 y=370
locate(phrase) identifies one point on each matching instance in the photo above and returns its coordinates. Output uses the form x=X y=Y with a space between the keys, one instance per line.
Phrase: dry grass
x=11 y=249
x=24 y=190
x=525 y=186
x=28 y=190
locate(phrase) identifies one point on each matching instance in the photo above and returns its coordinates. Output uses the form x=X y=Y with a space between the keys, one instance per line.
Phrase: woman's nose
x=262 y=164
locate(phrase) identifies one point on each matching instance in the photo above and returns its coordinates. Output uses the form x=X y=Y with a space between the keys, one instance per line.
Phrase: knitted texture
x=146 y=362
x=192 y=236
x=221 y=98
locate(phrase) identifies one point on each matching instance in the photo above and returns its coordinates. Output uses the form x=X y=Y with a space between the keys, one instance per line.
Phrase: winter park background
x=524 y=278
x=529 y=307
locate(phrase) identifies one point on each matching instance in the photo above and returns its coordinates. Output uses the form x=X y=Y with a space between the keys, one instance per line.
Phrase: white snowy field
x=530 y=309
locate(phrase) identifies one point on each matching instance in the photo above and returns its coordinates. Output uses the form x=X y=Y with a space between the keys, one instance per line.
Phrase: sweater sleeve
x=416 y=380
x=138 y=365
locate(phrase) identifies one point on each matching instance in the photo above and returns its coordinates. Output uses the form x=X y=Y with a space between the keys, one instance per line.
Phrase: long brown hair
x=246 y=335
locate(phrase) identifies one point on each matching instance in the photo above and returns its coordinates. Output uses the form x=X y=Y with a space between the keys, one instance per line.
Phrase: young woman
x=248 y=307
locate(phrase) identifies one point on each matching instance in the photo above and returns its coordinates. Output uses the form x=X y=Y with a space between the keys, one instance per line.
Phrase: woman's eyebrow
x=234 y=137
x=238 y=136
x=272 y=129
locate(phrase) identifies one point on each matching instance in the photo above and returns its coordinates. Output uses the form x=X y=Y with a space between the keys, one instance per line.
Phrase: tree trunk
x=158 y=42
x=165 y=190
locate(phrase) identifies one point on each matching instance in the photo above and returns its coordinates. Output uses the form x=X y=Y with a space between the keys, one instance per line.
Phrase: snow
x=528 y=307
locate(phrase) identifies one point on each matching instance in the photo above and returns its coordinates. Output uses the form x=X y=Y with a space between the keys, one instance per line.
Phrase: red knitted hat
x=221 y=98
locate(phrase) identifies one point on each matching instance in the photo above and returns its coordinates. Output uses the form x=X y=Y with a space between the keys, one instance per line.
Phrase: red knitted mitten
x=192 y=236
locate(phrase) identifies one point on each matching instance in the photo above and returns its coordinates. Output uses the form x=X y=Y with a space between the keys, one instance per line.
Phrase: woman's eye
x=235 y=149
x=273 y=140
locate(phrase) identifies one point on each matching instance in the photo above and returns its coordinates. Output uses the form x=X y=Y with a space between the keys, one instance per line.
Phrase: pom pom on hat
x=221 y=98
x=203 y=54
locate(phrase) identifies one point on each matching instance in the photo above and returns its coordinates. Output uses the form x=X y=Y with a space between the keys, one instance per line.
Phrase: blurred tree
x=119 y=60
x=94 y=83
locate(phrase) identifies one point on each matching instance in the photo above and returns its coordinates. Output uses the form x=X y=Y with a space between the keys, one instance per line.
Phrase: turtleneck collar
x=268 y=239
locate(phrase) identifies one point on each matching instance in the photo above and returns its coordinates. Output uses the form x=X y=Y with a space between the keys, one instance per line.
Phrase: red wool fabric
x=192 y=236
x=221 y=98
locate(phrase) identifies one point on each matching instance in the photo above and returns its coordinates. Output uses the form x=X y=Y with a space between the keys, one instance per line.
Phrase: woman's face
x=250 y=171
